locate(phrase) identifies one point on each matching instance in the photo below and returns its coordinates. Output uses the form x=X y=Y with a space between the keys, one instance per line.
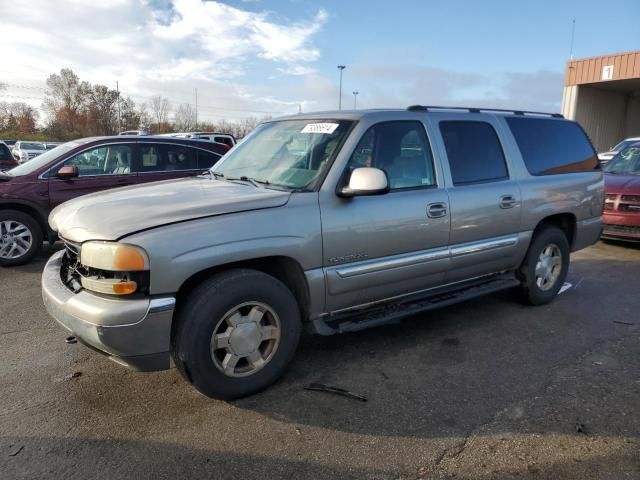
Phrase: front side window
x=289 y=154
x=104 y=160
x=474 y=152
x=400 y=149
x=157 y=157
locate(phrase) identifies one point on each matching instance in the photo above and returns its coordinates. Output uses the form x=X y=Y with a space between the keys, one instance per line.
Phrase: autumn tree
x=160 y=109
x=184 y=118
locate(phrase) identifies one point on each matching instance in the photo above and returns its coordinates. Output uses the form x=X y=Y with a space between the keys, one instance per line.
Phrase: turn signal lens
x=109 y=286
x=113 y=257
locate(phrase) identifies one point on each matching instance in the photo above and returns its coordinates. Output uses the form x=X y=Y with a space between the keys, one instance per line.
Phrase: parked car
x=605 y=157
x=29 y=192
x=134 y=132
x=224 y=138
x=51 y=145
x=9 y=143
x=336 y=222
x=622 y=196
x=7 y=160
x=25 y=151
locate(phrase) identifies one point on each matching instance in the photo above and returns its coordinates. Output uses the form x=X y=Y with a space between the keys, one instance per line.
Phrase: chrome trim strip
x=415 y=258
x=394 y=262
x=157 y=305
x=484 y=245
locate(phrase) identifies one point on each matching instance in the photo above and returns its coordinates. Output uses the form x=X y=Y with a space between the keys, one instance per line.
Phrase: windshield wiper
x=253 y=181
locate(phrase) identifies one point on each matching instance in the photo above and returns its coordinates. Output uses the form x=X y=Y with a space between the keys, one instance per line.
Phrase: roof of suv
x=358 y=114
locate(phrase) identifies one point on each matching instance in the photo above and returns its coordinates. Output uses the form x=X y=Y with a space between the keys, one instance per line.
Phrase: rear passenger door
x=164 y=161
x=484 y=196
x=100 y=168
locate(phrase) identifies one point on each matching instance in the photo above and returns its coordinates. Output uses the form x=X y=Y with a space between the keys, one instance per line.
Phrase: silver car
x=333 y=222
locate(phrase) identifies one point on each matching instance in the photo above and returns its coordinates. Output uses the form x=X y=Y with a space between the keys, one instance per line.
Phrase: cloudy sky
x=268 y=57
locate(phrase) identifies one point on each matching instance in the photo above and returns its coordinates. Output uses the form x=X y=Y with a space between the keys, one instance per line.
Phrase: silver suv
x=333 y=221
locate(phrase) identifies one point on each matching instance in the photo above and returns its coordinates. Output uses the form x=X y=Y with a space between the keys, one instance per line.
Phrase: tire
x=18 y=230
x=542 y=288
x=236 y=297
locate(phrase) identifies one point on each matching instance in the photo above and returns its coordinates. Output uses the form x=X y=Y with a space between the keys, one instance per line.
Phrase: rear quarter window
x=550 y=146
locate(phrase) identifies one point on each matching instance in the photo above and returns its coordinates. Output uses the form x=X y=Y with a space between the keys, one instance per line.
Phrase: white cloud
x=168 y=47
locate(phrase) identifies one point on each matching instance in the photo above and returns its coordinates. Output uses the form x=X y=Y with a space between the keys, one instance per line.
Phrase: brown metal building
x=603 y=95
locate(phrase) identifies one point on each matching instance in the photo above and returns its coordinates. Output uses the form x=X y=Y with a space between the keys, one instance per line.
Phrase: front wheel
x=236 y=333
x=20 y=237
x=545 y=267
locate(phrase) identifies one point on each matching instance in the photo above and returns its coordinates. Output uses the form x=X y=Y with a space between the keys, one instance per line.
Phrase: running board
x=394 y=312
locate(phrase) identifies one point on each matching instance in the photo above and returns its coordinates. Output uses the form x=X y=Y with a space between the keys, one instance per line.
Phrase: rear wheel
x=236 y=333
x=545 y=267
x=20 y=237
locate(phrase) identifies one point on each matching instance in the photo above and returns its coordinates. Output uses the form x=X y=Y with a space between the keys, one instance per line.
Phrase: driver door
x=383 y=246
x=100 y=168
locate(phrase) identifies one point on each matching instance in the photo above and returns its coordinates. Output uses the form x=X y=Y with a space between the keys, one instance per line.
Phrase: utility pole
x=196 y=126
x=341 y=68
x=573 y=32
x=118 y=98
x=355 y=100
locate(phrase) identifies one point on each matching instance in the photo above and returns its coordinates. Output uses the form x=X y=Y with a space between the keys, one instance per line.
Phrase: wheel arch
x=33 y=211
x=566 y=222
x=284 y=268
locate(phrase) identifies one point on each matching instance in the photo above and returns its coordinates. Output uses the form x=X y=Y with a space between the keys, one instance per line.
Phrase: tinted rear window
x=474 y=152
x=553 y=146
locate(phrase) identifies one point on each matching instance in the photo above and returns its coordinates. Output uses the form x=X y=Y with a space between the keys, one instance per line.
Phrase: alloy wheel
x=245 y=339
x=15 y=239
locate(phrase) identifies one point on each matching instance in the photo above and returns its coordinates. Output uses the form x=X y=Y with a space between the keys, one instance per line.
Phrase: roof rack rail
x=428 y=108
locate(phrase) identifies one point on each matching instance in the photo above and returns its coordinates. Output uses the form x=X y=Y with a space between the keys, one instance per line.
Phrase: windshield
x=627 y=162
x=42 y=160
x=291 y=154
x=31 y=146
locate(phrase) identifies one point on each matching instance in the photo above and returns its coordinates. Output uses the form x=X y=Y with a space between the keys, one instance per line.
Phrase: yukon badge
x=348 y=258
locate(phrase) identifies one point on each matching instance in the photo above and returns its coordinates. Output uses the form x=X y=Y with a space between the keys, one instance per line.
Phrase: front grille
x=627 y=207
x=622 y=229
x=611 y=197
x=630 y=198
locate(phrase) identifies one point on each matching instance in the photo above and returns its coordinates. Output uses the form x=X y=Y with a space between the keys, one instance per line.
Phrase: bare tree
x=185 y=118
x=160 y=108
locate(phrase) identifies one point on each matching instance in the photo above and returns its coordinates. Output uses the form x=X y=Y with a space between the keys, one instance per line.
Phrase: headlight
x=113 y=257
x=113 y=268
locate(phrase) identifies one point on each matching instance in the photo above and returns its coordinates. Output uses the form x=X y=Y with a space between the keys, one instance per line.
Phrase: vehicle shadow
x=446 y=371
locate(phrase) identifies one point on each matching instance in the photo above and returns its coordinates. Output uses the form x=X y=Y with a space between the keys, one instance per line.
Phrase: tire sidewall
x=36 y=233
x=202 y=313
x=550 y=235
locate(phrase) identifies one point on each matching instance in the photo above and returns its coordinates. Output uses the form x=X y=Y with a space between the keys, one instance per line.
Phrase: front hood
x=622 y=184
x=113 y=214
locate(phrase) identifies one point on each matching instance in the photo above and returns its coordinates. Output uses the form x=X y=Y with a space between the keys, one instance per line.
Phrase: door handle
x=507 y=201
x=436 y=210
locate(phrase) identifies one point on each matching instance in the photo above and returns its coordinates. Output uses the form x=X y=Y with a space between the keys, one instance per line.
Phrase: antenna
x=573 y=32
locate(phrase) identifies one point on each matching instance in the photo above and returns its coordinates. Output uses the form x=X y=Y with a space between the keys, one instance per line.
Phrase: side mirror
x=366 y=181
x=68 y=172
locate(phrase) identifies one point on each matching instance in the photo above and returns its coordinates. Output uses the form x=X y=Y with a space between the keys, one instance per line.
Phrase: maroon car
x=621 y=217
x=30 y=191
x=6 y=158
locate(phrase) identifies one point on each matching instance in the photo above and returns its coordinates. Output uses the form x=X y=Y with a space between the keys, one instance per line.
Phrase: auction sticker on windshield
x=319 y=128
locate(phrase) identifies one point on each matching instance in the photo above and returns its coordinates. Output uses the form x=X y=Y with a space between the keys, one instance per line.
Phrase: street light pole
x=341 y=68
x=355 y=100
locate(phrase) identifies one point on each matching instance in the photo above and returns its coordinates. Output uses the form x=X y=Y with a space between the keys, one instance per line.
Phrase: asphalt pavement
x=485 y=389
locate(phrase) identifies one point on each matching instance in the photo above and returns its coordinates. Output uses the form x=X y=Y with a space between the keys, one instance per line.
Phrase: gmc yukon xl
x=333 y=221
